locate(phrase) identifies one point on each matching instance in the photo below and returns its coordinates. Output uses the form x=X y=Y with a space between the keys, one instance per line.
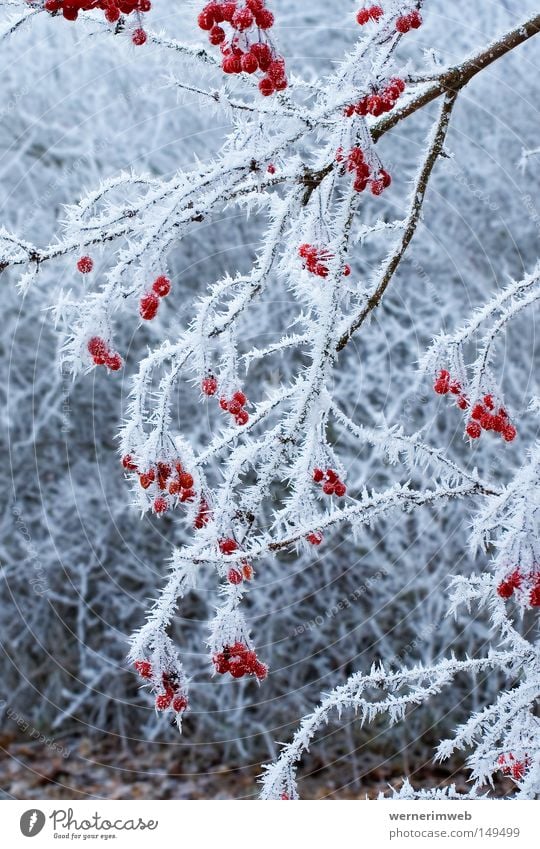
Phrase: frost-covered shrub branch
x=299 y=160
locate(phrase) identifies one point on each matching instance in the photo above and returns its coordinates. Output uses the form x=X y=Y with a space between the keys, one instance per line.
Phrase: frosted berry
x=85 y=264
x=179 y=704
x=114 y=362
x=209 y=386
x=164 y=700
x=266 y=87
x=315 y=538
x=144 y=668
x=242 y=418
x=228 y=545
x=128 y=464
x=98 y=350
x=161 y=286
x=148 y=306
x=139 y=37
x=234 y=576
x=318 y=475
x=160 y=505
x=474 y=430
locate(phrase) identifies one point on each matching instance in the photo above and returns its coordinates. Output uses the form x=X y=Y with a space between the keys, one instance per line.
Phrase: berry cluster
x=112 y=8
x=510 y=765
x=167 y=482
x=149 y=303
x=355 y=163
x=407 y=22
x=379 y=102
x=369 y=13
x=526 y=585
x=444 y=385
x=236 y=407
x=249 y=51
x=242 y=572
x=485 y=417
x=102 y=355
x=239 y=661
x=238 y=575
x=332 y=484
x=315 y=259
x=171 y=696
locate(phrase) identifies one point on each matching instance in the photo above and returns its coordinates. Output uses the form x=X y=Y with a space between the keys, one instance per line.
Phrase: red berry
x=228 y=545
x=114 y=362
x=239 y=398
x=534 y=597
x=180 y=704
x=205 y=21
x=415 y=19
x=403 y=24
x=209 y=386
x=315 y=538
x=161 y=286
x=216 y=35
x=509 y=433
x=85 y=264
x=266 y=87
x=247 y=571
x=474 y=430
x=264 y=19
x=186 y=480
x=242 y=19
x=242 y=418
x=98 y=350
x=376 y=12
x=249 y=63
x=271 y=169
x=505 y=589
x=318 y=475
x=362 y=17
x=144 y=668
x=148 y=306
x=234 y=576
x=128 y=464
x=164 y=700
x=223 y=403
x=329 y=488
x=147 y=478
x=139 y=37
x=477 y=412
x=160 y=505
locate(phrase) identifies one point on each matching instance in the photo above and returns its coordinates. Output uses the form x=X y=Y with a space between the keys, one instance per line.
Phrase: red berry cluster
x=332 y=484
x=315 y=259
x=485 y=417
x=85 y=264
x=444 y=385
x=407 y=22
x=510 y=765
x=355 y=163
x=236 y=407
x=166 y=480
x=528 y=585
x=238 y=575
x=242 y=572
x=239 y=661
x=379 y=102
x=369 y=13
x=102 y=355
x=249 y=50
x=171 y=697
x=112 y=8
x=149 y=303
